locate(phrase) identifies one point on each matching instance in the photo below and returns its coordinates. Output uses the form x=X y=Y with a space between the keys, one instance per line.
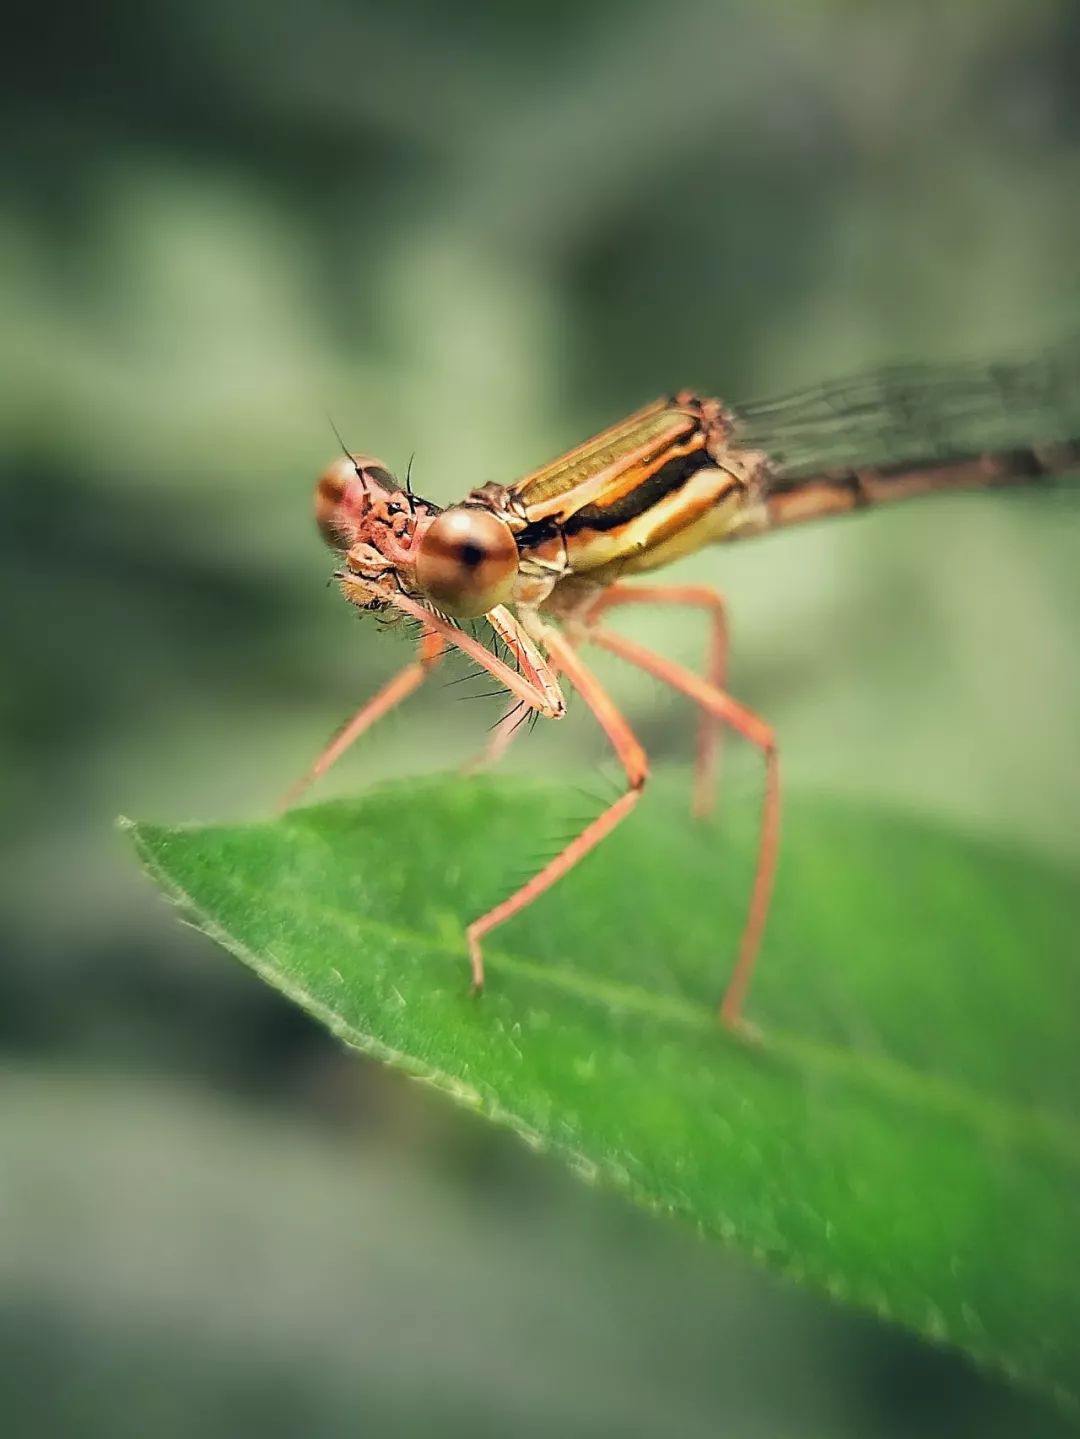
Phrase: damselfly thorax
x=543 y=559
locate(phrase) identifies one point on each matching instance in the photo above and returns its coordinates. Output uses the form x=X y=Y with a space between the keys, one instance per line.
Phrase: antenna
x=345 y=450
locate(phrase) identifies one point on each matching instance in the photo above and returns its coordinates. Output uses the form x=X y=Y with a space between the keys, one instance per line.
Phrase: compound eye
x=343 y=493
x=467 y=561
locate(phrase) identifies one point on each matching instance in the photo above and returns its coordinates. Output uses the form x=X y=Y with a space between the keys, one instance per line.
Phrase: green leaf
x=902 y=1136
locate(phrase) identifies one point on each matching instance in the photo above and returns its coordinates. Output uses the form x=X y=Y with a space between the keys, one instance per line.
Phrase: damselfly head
x=462 y=561
x=362 y=510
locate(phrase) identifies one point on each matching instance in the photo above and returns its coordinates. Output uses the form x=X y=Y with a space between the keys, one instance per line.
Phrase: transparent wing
x=918 y=413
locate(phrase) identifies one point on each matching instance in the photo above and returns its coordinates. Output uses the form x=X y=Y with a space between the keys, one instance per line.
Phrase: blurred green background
x=476 y=232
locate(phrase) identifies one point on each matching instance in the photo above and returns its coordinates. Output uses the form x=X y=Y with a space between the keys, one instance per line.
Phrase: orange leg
x=429 y=652
x=727 y=711
x=564 y=659
x=532 y=681
x=710 y=727
x=513 y=717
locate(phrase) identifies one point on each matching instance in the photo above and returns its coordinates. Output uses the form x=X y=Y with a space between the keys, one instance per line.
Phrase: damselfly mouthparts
x=544 y=559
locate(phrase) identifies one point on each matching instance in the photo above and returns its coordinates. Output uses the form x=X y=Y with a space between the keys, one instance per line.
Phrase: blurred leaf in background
x=476 y=232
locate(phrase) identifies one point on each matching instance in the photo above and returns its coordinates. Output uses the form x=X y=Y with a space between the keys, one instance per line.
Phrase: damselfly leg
x=632 y=757
x=710 y=726
x=714 y=701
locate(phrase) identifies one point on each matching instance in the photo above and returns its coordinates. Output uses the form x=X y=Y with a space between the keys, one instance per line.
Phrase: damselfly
x=545 y=559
